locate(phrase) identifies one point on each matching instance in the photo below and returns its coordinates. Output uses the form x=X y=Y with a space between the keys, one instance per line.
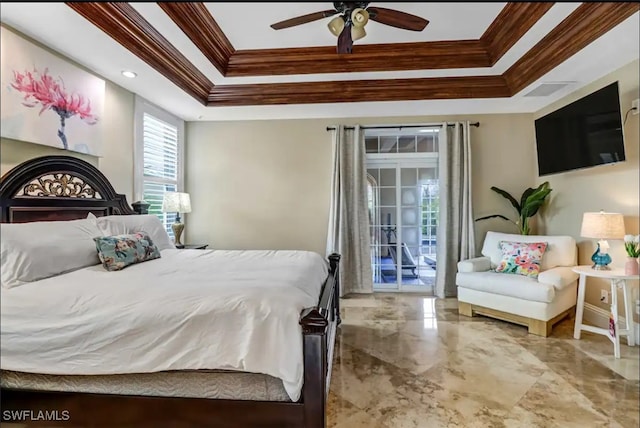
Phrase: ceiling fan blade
x=303 y=19
x=345 y=42
x=397 y=19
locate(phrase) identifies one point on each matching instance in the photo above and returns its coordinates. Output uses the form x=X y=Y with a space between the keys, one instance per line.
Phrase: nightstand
x=192 y=247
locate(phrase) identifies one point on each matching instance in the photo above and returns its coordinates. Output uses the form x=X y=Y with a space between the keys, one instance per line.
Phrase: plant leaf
x=525 y=195
x=511 y=199
x=493 y=216
x=534 y=202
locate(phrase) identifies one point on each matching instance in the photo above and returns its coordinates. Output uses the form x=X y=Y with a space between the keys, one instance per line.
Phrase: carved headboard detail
x=59 y=184
x=57 y=188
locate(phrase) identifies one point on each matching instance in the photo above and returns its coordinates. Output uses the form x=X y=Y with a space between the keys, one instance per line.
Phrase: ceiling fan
x=352 y=17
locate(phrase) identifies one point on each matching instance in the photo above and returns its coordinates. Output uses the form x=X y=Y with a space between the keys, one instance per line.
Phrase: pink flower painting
x=42 y=90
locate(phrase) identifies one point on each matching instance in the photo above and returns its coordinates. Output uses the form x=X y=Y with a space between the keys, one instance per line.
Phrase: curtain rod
x=400 y=127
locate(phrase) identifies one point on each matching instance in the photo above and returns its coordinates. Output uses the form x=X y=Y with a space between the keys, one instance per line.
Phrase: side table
x=618 y=280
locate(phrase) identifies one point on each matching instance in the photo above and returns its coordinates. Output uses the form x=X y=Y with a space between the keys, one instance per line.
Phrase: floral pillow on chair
x=521 y=258
x=119 y=251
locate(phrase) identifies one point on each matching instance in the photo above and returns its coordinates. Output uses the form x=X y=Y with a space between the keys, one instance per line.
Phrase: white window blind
x=160 y=150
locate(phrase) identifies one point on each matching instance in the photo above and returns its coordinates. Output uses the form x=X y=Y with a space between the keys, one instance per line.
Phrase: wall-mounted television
x=583 y=134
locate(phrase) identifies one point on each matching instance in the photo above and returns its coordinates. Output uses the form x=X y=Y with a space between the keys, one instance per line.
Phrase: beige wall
x=265 y=184
x=613 y=188
x=117 y=160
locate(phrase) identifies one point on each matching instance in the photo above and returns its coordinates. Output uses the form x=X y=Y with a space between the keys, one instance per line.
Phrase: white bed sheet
x=190 y=309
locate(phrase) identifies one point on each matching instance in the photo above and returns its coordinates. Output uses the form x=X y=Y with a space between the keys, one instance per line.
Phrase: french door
x=403 y=219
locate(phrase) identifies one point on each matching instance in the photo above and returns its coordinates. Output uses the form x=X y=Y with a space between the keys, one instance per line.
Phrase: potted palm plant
x=529 y=204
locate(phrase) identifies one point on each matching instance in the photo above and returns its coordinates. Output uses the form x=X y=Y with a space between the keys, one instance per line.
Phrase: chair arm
x=559 y=276
x=478 y=264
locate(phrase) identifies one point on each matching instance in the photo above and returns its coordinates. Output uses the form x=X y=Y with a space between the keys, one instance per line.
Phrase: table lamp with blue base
x=601 y=259
x=602 y=226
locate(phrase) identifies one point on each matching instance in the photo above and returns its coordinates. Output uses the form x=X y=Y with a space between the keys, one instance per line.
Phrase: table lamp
x=602 y=226
x=176 y=202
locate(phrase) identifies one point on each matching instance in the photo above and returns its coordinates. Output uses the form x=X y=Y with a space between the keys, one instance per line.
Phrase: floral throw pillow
x=521 y=258
x=119 y=251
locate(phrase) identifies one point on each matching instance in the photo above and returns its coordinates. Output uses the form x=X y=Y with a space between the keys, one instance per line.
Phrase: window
x=159 y=157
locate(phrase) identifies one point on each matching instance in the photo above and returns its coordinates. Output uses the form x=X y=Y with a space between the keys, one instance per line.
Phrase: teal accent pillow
x=119 y=251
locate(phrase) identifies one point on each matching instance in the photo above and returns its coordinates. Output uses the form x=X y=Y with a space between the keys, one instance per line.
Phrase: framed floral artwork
x=47 y=100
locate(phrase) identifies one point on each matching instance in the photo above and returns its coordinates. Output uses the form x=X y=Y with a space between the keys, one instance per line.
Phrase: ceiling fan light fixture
x=357 y=33
x=336 y=25
x=359 y=17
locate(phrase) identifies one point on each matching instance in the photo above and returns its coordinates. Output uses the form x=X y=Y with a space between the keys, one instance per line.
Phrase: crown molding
x=510 y=25
x=587 y=23
x=126 y=26
x=359 y=91
x=584 y=25
x=199 y=26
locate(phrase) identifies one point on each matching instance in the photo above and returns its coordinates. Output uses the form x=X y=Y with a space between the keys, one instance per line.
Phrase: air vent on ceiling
x=546 y=89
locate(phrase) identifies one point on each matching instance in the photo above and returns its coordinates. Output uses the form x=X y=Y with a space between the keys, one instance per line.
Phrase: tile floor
x=411 y=361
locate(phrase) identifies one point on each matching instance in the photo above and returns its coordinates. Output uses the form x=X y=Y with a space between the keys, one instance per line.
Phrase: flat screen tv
x=583 y=134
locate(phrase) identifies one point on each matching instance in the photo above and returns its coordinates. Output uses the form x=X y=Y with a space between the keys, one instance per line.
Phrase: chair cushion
x=560 y=277
x=561 y=250
x=518 y=286
x=521 y=258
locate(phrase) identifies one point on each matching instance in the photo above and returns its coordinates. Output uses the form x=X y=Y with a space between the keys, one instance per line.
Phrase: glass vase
x=631 y=266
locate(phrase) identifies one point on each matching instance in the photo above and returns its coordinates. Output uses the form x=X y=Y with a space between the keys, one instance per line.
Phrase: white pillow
x=38 y=250
x=128 y=224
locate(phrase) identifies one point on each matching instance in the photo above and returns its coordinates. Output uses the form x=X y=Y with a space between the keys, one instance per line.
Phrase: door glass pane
x=407 y=144
x=409 y=196
x=387 y=177
x=371 y=144
x=408 y=176
x=388 y=144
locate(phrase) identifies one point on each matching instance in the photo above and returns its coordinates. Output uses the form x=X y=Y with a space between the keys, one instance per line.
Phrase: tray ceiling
x=223 y=61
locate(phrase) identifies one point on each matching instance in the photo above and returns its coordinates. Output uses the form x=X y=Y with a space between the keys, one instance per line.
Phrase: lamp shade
x=357 y=33
x=336 y=25
x=602 y=225
x=359 y=17
x=176 y=202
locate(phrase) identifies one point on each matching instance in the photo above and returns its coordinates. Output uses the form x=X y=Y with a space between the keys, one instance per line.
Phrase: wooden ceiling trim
x=197 y=23
x=126 y=26
x=510 y=25
x=586 y=24
x=359 y=91
x=379 y=57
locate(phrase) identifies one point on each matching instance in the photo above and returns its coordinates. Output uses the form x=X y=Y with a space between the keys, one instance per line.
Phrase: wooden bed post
x=334 y=265
x=314 y=327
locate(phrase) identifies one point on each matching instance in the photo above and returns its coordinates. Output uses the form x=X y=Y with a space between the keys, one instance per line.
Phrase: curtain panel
x=456 y=228
x=348 y=232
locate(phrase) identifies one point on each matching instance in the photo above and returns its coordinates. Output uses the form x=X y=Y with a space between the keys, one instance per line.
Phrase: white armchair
x=537 y=303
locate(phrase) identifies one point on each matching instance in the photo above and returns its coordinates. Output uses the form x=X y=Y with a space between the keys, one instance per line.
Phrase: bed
x=160 y=375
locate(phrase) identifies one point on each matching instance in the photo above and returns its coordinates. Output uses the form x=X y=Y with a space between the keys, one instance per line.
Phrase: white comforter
x=190 y=309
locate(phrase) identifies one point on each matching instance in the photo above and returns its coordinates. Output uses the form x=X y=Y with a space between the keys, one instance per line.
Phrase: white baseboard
x=599 y=317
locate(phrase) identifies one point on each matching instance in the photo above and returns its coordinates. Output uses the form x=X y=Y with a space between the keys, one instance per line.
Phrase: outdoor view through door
x=403 y=196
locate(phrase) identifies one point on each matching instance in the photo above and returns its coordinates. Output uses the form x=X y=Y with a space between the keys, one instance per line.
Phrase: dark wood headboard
x=51 y=188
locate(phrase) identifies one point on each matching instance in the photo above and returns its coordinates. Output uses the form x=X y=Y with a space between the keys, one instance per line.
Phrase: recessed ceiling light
x=129 y=74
